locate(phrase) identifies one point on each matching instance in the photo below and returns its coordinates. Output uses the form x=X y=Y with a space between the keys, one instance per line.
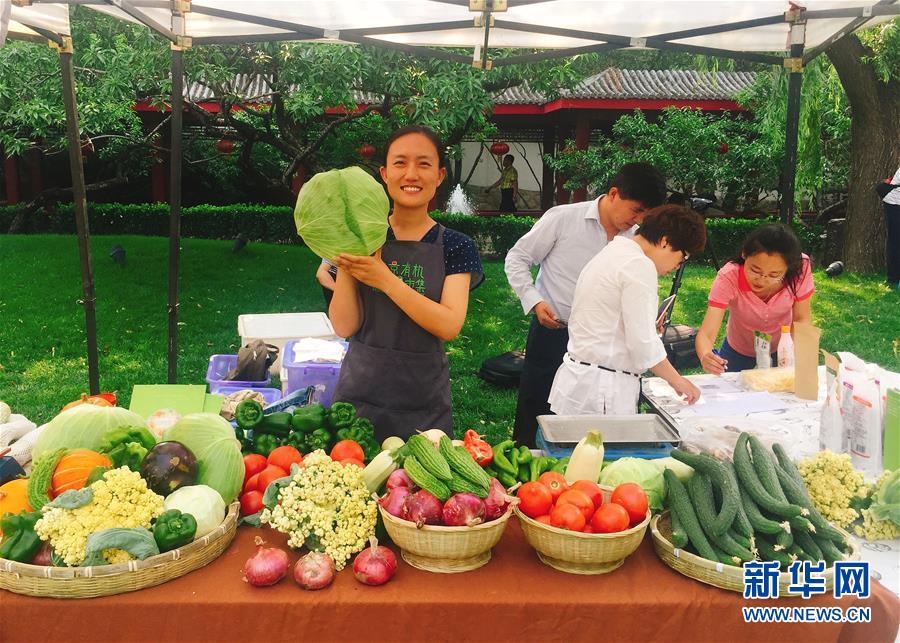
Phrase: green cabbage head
x=638 y=470
x=342 y=211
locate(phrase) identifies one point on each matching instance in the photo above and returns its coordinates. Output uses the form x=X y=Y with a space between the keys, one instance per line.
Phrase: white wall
x=486 y=171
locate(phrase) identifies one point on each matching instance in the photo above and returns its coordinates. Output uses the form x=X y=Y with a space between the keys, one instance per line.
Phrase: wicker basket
x=103 y=580
x=446 y=550
x=718 y=574
x=578 y=553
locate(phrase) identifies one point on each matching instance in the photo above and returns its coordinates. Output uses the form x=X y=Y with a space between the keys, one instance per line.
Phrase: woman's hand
x=371 y=271
x=685 y=389
x=713 y=364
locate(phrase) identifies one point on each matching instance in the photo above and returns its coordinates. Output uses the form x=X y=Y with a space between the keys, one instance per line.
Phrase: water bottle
x=785 y=347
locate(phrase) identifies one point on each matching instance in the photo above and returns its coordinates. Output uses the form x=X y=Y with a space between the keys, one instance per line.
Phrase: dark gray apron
x=395 y=372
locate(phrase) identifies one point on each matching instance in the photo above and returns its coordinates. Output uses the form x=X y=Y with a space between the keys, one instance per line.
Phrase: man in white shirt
x=612 y=328
x=891 y=203
x=563 y=240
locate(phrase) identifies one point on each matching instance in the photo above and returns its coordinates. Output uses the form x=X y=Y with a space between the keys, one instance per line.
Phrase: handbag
x=882 y=189
x=253 y=362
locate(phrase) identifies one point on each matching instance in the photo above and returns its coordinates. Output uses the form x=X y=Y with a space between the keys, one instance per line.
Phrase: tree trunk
x=874 y=151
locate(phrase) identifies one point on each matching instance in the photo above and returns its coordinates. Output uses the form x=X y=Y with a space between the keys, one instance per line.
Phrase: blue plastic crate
x=219 y=365
x=611 y=451
x=301 y=375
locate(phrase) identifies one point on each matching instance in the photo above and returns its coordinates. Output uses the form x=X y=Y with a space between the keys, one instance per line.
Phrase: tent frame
x=794 y=59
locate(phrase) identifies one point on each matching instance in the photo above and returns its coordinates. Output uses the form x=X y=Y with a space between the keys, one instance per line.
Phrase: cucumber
x=751 y=483
x=808 y=544
x=700 y=491
x=787 y=464
x=767 y=551
x=797 y=494
x=830 y=553
x=799 y=523
x=679 y=536
x=740 y=539
x=719 y=477
x=797 y=552
x=741 y=523
x=764 y=465
x=784 y=540
x=681 y=503
x=760 y=523
x=722 y=557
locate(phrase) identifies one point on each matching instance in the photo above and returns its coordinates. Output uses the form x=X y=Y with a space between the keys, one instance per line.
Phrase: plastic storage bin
x=219 y=365
x=300 y=375
x=280 y=328
x=270 y=395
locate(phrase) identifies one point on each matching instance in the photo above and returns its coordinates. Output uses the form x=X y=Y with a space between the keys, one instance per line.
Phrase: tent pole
x=79 y=198
x=177 y=64
x=792 y=127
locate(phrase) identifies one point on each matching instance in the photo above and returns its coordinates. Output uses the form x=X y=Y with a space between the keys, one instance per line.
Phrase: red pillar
x=582 y=134
x=158 y=171
x=35 y=174
x=11 y=175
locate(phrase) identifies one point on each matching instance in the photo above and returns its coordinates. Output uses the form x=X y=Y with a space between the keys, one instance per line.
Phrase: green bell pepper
x=506 y=479
x=525 y=456
x=174 y=529
x=362 y=431
x=298 y=440
x=523 y=473
x=560 y=466
x=539 y=466
x=319 y=439
x=278 y=424
x=248 y=414
x=264 y=443
x=341 y=415
x=501 y=462
x=126 y=446
x=309 y=418
x=20 y=543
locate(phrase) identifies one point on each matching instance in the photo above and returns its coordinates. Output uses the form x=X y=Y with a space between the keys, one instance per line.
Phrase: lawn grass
x=42 y=337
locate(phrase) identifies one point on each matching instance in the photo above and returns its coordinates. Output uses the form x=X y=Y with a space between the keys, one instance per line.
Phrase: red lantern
x=367 y=151
x=723 y=148
x=225 y=146
x=499 y=149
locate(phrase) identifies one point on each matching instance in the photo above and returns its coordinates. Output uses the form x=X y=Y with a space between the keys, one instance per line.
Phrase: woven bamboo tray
x=104 y=580
x=578 y=553
x=445 y=550
x=719 y=574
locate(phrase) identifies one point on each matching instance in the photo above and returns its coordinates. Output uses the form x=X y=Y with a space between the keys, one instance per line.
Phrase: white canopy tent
x=777 y=32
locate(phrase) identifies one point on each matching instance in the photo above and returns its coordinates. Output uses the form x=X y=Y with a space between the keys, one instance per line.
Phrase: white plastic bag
x=864 y=424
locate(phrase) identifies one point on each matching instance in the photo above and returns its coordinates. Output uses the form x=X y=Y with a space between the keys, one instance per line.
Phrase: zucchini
x=760 y=523
x=741 y=523
x=797 y=494
x=681 y=503
x=751 y=483
x=764 y=465
x=679 y=536
x=808 y=544
x=429 y=457
x=422 y=477
x=700 y=491
x=719 y=477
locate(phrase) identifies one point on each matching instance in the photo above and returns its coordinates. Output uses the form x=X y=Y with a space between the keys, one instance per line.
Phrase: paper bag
x=806 y=360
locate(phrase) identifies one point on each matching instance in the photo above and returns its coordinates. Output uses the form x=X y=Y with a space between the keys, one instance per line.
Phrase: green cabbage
x=886 y=502
x=212 y=440
x=342 y=211
x=638 y=470
x=83 y=427
x=202 y=502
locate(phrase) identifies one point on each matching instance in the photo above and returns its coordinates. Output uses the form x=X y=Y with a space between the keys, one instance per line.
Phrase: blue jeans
x=739 y=361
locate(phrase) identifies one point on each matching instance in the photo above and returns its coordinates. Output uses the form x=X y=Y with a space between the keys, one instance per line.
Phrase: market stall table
x=514 y=597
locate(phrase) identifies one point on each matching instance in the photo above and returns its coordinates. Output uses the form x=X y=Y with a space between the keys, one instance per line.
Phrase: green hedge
x=275 y=224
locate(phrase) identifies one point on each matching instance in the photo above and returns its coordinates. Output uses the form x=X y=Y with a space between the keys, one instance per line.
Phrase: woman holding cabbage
x=400 y=304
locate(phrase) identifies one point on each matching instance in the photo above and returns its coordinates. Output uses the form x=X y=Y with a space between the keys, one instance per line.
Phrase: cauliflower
x=326 y=507
x=121 y=499
x=834 y=486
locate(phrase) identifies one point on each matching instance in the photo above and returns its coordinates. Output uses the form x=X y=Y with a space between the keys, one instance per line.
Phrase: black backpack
x=678 y=340
x=503 y=370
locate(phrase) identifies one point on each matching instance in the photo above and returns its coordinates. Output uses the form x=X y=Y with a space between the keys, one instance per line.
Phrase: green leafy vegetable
x=638 y=470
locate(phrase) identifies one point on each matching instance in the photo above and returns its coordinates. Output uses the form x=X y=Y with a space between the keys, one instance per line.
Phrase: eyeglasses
x=763 y=277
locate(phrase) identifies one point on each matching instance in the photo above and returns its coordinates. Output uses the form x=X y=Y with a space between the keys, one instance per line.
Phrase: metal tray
x=645 y=428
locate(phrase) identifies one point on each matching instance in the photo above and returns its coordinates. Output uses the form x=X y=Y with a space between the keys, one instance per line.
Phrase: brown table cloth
x=513 y=597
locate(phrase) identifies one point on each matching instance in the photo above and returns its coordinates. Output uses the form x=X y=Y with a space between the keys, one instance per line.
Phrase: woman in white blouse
x=612 y=327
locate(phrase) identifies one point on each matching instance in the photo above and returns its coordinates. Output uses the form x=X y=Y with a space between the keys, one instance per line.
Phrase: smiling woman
x=401 y=304
x=768 y=286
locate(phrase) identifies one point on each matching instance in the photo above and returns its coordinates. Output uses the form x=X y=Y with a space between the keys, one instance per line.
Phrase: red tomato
x=588 y=529
x=354 y=461
x=253 y=464
x=535 y=499
x=267 y=475
x=579 y=499
x=284 y=457
x=545 y=519
x=347 y=449
x=252 y=483
x=633 y=497
x=591 y=489
x=555 y=482
x=251 y=502
x=610 y=519
x=567 y=516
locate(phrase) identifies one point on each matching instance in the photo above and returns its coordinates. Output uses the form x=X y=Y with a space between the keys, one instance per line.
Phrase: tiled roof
x=609 y=84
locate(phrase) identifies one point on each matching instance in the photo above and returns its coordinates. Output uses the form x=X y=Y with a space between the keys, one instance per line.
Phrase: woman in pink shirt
x=768 y=286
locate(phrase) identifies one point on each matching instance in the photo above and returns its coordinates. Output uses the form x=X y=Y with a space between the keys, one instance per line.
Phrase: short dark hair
x=684 y=229
x=510 y=157
x=427 y=132
x=640 y=182
x=775 y=239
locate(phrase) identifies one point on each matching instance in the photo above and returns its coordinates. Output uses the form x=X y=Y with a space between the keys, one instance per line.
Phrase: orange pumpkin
x=73 y=470
x=97 y=400
x=14 y=496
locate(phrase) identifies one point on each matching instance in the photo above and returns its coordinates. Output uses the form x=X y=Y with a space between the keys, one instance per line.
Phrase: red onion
x=422 y=508
x=314 y=571
x=375 y=565
x=463 y=510
x=497 y=501
x=393 y=500
x=267 y=566
x=43 y=556
x=399 y=478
